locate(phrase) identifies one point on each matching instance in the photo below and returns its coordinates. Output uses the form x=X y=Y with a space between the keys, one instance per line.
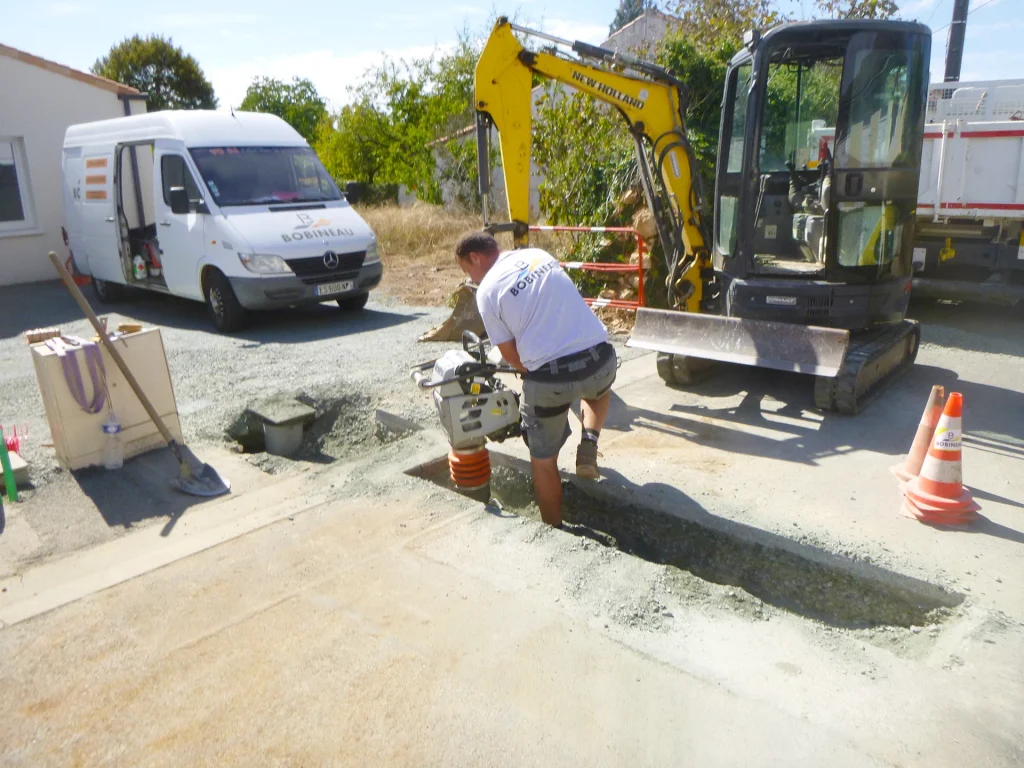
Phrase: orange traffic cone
x=925 y=431
x=938 y=495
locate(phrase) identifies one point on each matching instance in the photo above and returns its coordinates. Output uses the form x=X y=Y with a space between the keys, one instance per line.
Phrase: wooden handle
x=114 y=353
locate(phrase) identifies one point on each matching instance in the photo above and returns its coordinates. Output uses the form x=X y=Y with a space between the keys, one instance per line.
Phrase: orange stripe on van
x=97 y=179
x=96 y=162
x=95 y=194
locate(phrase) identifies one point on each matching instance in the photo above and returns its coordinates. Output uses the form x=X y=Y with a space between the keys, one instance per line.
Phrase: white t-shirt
x=527 y=297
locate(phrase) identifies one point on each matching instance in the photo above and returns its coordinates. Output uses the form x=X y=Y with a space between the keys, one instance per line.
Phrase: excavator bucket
x=464 y=317
x=765 y=344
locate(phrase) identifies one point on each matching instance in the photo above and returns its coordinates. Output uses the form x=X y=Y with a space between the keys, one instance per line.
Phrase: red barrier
x=590 y=266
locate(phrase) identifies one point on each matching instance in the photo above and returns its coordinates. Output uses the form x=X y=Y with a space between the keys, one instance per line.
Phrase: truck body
x=970 y=242
x=969 y=239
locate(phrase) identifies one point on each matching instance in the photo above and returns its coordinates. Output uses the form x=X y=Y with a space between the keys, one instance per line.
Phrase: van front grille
x=314 y=269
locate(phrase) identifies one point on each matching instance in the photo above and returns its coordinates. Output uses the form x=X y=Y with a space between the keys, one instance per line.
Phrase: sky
x=335 y=43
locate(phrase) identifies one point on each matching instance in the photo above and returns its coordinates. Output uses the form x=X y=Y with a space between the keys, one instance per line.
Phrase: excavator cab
x=817 y=176
x=814 y=212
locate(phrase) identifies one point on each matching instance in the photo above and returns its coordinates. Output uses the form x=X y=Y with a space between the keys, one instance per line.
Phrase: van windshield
x=264 y=175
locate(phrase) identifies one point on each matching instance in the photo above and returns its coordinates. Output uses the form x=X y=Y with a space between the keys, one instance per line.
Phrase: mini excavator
x=802 y=258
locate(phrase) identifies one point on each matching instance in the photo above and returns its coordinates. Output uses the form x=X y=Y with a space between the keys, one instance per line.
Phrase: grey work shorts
x=545 y=406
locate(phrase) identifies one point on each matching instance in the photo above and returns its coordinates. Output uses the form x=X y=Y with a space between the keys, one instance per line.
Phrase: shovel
x=196 y=478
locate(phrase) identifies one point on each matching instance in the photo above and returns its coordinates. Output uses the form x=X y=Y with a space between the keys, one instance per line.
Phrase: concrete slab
x=410 y=627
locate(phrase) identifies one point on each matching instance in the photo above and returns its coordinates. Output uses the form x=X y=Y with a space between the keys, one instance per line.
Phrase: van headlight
x=372 y=253
x=264 y=263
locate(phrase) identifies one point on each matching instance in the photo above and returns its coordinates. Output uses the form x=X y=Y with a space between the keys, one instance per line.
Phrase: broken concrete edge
x=20 y=468
x=396 y=423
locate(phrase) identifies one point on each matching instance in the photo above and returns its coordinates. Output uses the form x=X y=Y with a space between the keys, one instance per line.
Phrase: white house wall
x=37 y=106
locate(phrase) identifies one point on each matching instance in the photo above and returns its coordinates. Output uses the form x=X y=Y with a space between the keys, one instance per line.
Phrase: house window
x=15 y=210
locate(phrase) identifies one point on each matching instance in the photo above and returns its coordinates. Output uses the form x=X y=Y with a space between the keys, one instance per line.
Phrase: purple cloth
x=73 y=376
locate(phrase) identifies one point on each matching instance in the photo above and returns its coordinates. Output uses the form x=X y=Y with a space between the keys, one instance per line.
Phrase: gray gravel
x=317 y=352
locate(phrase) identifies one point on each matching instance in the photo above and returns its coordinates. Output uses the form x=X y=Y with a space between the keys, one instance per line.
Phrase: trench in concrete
x=804 y=580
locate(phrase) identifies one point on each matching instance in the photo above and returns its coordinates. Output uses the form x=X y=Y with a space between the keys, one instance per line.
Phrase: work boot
x=586 y=460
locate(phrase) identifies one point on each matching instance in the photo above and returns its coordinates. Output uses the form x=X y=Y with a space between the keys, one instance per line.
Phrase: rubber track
x=846 y=393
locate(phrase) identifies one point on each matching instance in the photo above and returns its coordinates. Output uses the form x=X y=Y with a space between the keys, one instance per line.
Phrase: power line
x=936 y=8
x=975 y=8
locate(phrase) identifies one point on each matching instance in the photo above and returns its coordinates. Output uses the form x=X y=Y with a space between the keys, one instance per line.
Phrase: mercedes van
x=232 y=209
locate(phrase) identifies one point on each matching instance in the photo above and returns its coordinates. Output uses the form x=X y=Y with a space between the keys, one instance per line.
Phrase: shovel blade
x=197 y=478
x=761 y=343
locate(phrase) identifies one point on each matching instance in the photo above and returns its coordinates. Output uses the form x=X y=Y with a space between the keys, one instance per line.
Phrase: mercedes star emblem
x=331 y=260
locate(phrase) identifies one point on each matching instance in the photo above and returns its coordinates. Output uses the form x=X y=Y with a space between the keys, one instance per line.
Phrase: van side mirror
x=179 y=200
x=352 y=192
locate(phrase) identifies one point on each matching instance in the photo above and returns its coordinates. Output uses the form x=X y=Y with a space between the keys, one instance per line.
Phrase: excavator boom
x=650 y=100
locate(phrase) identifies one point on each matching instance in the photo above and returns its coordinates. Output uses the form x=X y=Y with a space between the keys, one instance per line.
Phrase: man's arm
x=510 y=352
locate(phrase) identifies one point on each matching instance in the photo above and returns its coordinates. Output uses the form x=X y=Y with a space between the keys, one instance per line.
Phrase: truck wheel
x=353 y=303
x=222 y=304
x=107 y=292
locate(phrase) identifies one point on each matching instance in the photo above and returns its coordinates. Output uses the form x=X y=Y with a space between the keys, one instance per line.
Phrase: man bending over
x=536 y=317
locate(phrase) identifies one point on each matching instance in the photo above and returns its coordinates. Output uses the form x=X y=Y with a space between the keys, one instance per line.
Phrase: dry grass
x=418 y=251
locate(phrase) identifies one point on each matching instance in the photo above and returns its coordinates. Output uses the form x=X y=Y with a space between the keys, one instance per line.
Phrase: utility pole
x=955 y=44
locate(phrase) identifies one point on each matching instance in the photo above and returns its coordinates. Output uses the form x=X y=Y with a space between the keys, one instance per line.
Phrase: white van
x=231 y=209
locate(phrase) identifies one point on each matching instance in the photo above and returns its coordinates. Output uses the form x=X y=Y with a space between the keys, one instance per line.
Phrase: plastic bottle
x=139 y=266
x=113 y=450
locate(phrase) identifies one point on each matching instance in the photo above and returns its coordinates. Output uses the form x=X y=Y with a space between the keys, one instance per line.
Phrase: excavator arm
x=652 y=103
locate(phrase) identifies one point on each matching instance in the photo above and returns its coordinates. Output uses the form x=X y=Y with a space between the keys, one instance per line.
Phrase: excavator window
x=801 y=102
x=802 y=97
x=738 y=89
x=879 y=134
x=733 y=149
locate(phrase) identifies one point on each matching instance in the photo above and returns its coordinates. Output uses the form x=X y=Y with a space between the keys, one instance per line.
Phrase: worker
x=535 y=316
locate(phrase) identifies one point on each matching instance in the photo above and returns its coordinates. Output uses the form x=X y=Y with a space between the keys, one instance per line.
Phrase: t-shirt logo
x=529 y=271
x=526 y=267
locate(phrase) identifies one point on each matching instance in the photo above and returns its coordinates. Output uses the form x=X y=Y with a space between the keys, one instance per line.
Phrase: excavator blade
x=464 y=317
x=765 y=344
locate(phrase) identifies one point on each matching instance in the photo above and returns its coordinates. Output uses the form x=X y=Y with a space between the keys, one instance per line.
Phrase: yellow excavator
x=803 y=259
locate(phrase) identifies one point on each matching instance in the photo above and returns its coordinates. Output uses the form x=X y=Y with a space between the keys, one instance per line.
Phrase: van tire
x=107 y=292
x=226 y=313
x=353 y=303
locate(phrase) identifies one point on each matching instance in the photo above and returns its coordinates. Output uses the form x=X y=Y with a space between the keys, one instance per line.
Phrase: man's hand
x=510 y=352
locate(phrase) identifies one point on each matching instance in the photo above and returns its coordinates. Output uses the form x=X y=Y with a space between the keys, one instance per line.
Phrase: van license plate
x=331 y=288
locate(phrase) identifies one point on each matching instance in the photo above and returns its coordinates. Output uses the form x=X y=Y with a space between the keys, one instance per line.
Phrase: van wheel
x=107 y=292
x=353 y=303
x=222 y=304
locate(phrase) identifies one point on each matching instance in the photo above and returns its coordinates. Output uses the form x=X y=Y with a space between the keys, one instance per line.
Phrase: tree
x=627 y=11
x=702 y=67
x=297 y=103
x=390 y=133
x=858 y=9
x=713 y=23
x=171 y=78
